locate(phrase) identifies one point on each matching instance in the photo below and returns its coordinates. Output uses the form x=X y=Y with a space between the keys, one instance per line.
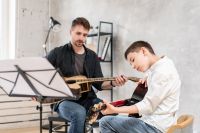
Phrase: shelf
x=107 y=37
x=101 y=34
x=108 y=61
x=105 y=61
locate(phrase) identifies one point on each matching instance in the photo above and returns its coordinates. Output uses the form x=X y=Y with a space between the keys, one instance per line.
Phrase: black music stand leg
x=40 y=109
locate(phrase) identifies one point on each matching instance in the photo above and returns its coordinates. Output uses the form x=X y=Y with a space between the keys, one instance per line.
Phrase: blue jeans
x=75 y=113
x=122 y=124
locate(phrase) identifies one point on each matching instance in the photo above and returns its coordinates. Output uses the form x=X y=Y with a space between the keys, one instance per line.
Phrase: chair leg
x=66 y=127
x=92 y=130
x=50 y=126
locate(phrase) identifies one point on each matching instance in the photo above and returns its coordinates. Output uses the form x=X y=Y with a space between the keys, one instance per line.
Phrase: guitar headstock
x=93 y=112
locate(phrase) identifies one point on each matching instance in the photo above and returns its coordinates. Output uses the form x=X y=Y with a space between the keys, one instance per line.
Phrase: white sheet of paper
x=39 y=79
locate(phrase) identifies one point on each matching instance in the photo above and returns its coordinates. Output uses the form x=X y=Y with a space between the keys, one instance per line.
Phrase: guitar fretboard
x=95 y=79
x=75 y=79
x=105 y=79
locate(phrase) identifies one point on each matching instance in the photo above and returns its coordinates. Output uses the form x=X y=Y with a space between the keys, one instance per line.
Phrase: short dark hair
x=135 y=47
x=81 y=21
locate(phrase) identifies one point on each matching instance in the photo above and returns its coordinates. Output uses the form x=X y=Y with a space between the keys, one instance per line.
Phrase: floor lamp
x=53 y=25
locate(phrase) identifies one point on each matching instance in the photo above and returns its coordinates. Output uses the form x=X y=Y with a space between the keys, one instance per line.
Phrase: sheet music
x=39 y=71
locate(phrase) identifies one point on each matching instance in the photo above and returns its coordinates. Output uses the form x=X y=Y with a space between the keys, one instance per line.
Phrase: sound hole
x=85 y=87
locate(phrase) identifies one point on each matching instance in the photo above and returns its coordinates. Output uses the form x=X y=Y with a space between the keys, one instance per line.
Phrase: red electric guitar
x=137 y=96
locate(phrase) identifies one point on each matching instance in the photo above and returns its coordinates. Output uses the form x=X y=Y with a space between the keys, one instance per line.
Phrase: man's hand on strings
x=119 y=80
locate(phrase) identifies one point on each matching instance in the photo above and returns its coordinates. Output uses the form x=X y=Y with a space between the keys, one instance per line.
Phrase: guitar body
x=136 y=97
x=76 y=78
x=78 y=84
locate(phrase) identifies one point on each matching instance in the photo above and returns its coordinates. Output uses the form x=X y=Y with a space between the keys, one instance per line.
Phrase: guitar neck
x=134 y=79
x=98 y=79
x=82 y=79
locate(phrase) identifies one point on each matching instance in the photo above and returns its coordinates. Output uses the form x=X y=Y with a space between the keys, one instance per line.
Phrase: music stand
x=33 y=77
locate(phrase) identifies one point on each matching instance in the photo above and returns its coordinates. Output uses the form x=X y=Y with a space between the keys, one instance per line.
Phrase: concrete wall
x=31 y=26
x=172 y=26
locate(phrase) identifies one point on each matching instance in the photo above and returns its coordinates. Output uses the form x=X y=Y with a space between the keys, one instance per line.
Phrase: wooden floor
x=30 y=130
x=24 y=130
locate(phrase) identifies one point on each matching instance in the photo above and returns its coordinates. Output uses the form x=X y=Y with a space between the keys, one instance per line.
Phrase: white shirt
x=161 y=101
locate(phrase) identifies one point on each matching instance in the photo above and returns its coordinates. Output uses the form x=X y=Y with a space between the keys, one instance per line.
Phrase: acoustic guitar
x=80 y=84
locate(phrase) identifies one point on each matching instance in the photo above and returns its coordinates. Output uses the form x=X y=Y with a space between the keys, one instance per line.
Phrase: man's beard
x=79 y=43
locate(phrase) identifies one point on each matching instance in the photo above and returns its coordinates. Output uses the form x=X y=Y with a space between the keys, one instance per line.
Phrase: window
x=7 y=28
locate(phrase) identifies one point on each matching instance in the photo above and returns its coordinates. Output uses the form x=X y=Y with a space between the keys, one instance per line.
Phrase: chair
x=184 y=125
x=56 y=118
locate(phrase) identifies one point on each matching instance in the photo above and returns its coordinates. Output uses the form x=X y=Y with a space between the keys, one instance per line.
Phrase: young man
x=160 y=103
x=75 y=59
